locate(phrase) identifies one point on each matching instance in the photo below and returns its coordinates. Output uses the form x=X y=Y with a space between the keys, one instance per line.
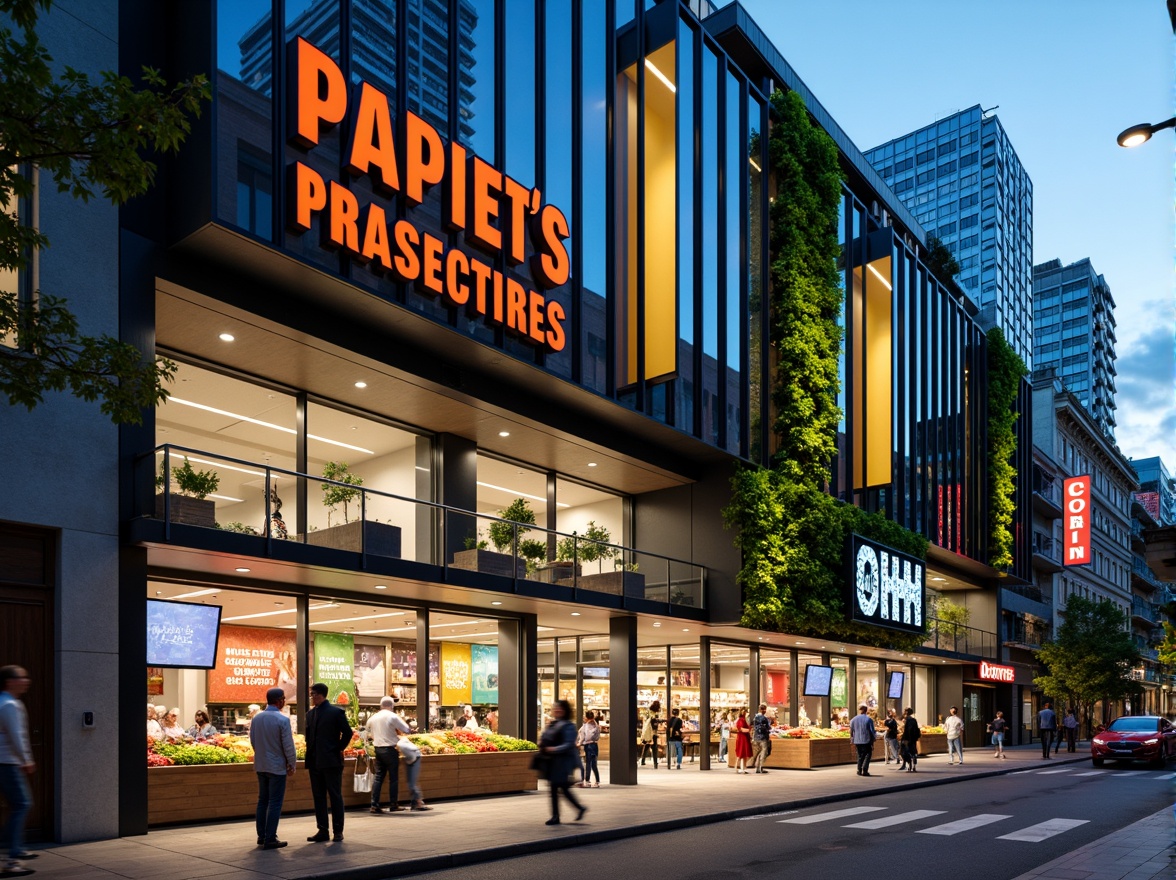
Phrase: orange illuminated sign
x=1076 y=492
x=495 y=213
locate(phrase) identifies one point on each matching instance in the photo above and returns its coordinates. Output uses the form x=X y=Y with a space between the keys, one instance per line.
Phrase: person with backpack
x=674 y=739
x=761 y=732
x=910 y=740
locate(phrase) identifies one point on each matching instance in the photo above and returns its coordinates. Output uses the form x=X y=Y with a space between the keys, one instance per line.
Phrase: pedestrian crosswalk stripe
x=1048 y=772
x=835 y=814
x=1043 y=830
x=1123 y=774
x=898 y=819
x=1091 y=773
x=964 y=824
x=1166 y=776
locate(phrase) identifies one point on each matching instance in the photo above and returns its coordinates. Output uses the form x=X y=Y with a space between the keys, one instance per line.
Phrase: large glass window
x=520 y=90
x=710 y=246
x=776 y=685
x=467 y=653
x=558 y=159
x=755 y=292
x=686 y=383
x=735 y=305
x=477 y=108
x=592 y=227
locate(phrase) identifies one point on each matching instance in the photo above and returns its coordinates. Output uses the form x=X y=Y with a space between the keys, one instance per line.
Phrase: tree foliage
x=1091 y=657
x=791 y=533
x=942 y=263
x=89 y=138
x=1005 y=371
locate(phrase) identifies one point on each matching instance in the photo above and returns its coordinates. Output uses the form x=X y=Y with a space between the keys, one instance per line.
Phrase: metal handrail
x=959 y=639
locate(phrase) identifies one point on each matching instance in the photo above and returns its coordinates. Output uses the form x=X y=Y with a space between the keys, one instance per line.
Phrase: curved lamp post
x=1137 y=134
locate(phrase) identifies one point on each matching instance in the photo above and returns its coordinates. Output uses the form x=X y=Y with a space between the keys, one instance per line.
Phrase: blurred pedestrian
x=1047 y=725
x=890 y=740
x=674 y=739
x=16 y=766
x=761 y=732
x=998 y=728
x=1070 y=729
x=910 y=740
x=589 y=739
x=558 y=744
x=742 y=741
x=953 y=725
x=384 y=730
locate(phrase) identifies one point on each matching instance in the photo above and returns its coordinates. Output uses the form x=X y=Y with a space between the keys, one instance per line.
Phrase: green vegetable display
x=193 y=753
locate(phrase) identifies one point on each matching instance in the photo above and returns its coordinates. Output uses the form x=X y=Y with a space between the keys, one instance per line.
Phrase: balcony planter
x=558 y=572
x=187 y=510
x=490 y=562
x=630 y=584
x=379 y=539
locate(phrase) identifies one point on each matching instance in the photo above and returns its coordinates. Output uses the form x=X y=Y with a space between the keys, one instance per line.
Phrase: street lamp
x=1137 y=134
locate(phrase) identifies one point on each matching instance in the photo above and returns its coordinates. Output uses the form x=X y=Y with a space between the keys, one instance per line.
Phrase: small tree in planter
x=594 y=545
x=194 y=483
x=333 y=495
x=502 y=533
x=535 y=552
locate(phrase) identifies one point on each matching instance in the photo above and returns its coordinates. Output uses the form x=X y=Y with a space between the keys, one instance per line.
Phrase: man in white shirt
x=16 y=766
x=383 y=731
x=954 y=726
x=468 y=720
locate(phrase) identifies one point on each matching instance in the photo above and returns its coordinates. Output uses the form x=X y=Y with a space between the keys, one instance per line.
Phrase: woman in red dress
x=742 y=741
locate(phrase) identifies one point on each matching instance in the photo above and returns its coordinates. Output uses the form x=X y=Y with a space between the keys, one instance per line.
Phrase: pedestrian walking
x=742 y=741
x=761 y=732
x=863 y=734
x=674 y=739
x=411 y=753
x=1070 y=729
x=910 y=740
x=384 y=730
x=589 y=739
x=1047 y=724
x=649 y=732
x=327 y=735
x=724 y=735
x=16 y=767
x=998 y=726
x=558 y=744
x=890 y=740
x=274 y=761
x=953 y=725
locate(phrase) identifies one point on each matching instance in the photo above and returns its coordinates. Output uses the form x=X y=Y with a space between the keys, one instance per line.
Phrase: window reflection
x=686 y=383
x=592 y=226
x=478 y=111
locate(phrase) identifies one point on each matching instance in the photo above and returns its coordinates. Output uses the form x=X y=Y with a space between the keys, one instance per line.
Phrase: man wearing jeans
x=1047 y=724
x=862 y=734
x=761 y=730
x=674 y=739
x=16 y=766
x=384 y=730
x=953 y=725
x=274 y=760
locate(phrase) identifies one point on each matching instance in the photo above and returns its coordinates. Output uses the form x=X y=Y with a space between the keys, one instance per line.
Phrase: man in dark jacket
x=327 y=735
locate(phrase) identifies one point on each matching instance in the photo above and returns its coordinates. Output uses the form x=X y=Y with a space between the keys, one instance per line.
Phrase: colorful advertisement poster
x=455 y=674
x=839 y=692
x=334 y=660
x=775 y=688
x=369 y=673
x=249 y=661
x=485 y=666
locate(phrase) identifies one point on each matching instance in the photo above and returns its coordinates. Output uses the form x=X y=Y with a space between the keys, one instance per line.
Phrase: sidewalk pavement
x=457 y=833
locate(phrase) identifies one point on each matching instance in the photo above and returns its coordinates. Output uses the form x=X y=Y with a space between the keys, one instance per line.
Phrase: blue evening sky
x=1068 y=76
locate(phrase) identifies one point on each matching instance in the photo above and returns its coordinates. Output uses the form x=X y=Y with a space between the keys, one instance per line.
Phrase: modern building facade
x=1074 y=334
x=389 y=330
x=962 y=179
x=1157 y=489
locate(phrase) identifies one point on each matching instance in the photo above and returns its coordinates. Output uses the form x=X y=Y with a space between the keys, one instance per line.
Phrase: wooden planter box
x=556 y=572
x=630 y=584
x=490 y=562
x=378 y=539
x=933 y=743
x=805 y=754
x=229 y=791
x=190 y=511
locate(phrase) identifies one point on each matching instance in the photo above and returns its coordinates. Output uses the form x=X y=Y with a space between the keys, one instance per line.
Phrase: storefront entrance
x=979 y=708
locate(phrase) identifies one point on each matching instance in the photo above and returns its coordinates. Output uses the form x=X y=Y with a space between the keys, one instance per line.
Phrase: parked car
x=1135 y=738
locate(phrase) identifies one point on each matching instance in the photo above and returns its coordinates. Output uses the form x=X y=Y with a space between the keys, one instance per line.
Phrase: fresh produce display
x=229 y=749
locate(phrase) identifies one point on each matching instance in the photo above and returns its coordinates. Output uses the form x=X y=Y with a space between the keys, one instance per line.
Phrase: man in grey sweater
x=16 y=766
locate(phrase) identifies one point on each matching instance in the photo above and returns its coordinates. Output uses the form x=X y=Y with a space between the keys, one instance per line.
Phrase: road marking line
x=964 y=824
x=887 y=821
x=835 y=814
x=1044 y=830
x=1023 y=772
x=1049 y=772
x=765 y=815
x=1091 y=773
x=1125 y=773
x=1165 y=776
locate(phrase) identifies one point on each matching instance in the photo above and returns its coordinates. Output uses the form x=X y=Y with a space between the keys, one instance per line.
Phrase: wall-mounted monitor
x=182 y=635
x=595 y=673
x=817 y=680
x=895 y=685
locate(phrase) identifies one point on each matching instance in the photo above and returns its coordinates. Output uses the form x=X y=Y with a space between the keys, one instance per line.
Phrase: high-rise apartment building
x=1157 y=489
x=1074 y=333
x=961 y=178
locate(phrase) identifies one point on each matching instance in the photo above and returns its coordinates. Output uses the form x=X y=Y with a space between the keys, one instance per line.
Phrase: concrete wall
x=58 y=466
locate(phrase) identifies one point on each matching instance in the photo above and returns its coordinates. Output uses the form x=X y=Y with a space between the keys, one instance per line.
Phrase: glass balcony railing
x=339 y=515
x=953 y=637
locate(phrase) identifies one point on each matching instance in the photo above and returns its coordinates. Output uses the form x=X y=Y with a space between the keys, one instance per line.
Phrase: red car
x=1135 y=738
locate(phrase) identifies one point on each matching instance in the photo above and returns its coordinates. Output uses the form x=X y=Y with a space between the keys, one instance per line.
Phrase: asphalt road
x=983 y=829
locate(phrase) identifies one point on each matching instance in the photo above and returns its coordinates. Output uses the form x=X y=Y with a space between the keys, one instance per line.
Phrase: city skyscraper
x=1074 y=333
x=1157 y=489
x=961 y=178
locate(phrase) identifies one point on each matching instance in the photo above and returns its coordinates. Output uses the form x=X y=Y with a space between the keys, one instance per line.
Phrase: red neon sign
x=993 y=672
x=1077 y=521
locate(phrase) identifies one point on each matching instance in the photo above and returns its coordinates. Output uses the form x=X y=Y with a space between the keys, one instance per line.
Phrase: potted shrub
x=595 y=546
x=367 y=536
x=518 y=515
x=189 y=504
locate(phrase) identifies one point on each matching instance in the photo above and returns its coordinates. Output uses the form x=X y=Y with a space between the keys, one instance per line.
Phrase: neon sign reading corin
x=495 y=213
x=1077 y=519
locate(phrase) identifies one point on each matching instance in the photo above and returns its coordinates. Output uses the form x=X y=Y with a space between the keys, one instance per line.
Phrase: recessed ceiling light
x=685 y=630
x=591 y=464
x=381 y=586
x=279 y=603
x=504 y=433
x=243 y=570
x=495 y=602
x=939 y=579
x=575 y=614
x=227 y=337
x=361 y=384
x=159 y=592
x=657 y=623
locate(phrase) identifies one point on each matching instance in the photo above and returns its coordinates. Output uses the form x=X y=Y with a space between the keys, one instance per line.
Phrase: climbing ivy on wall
x=791 y=532
x=1005 y=371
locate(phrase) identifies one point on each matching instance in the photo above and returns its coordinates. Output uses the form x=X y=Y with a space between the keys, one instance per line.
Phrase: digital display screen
x=182 y=635
x=895 y=685
x=597 y=673
x=817 y=680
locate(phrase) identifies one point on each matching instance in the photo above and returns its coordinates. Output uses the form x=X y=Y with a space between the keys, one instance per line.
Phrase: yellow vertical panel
x=456 y=674
x=879 y=353
x=661 y=218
